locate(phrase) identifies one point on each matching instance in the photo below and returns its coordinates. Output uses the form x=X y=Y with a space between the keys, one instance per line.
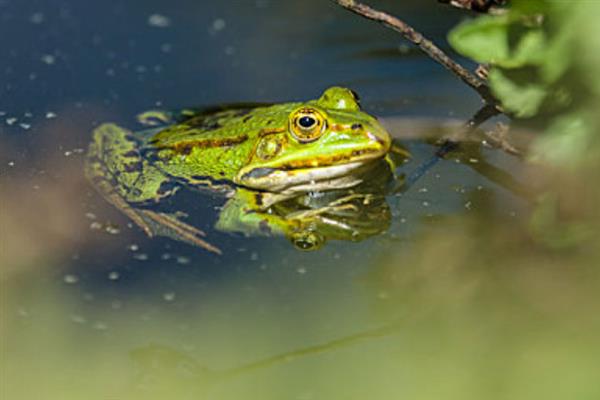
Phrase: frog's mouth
x=305 y=176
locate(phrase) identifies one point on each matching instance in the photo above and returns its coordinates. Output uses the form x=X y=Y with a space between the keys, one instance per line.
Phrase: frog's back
x=214 y=144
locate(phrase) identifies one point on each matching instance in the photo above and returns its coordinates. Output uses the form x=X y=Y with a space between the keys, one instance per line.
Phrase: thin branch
x=424 y=44
x=483 y=6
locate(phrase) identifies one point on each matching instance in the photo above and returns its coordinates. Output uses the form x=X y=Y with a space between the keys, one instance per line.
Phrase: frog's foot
x=155 y=223
x=337 y=206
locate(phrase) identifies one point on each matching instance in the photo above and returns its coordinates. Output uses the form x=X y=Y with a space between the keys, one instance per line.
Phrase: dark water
x=94 y=309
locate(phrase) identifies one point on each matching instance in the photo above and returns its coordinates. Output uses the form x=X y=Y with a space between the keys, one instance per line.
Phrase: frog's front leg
x=245 y=213
x=117 y=169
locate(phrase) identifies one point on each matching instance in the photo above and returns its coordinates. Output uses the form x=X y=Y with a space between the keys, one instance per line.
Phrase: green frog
x=311 y=170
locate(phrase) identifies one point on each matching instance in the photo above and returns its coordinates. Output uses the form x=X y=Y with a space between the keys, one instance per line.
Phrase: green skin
x=261 y=158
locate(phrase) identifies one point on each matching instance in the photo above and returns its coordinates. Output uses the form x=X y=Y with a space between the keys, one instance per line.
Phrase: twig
x=424 y=44
x=483 y=6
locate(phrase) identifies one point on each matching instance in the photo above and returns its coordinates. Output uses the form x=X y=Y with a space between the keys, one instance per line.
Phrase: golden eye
x=307 y=125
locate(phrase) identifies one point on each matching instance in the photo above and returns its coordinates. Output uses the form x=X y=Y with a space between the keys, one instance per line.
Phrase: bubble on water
x=48 y=59
x=140 y=256
x=50 y=115
x=70 y=279
x=113 y=275
x=159 y=21
x=116 y=304
x=183 y=260
x=37 y=18
x=112 y=229
x=99 y=325
x=78 y=319
x=169 y=296
x=134 y=247
x=218 y=25
x=301 y=270
x=11 y=121
x=230 y=50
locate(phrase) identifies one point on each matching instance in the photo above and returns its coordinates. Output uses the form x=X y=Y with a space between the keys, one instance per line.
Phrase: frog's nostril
x=356 y=126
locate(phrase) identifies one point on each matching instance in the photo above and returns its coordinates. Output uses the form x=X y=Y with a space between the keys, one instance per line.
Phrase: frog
x=288 y=169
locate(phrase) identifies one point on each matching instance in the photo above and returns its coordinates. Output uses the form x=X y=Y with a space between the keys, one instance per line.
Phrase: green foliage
x=544 y=57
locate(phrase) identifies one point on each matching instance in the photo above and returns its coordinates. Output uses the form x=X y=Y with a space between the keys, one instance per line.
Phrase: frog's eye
x=307 y=125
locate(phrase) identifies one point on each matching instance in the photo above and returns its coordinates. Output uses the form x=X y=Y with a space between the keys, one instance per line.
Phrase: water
x=91 y=308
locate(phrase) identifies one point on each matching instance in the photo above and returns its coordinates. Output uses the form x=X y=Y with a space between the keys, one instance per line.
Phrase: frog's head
x=318 y=140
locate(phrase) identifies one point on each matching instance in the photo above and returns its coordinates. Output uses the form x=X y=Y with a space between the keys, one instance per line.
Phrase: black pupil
x=307 y=122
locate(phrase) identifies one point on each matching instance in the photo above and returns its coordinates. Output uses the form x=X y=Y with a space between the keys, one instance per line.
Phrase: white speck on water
x=383 y=295
x=113 y=275
x=165 y=256
x=101 y=326
x=112 y=229
x=183 y=260
x=50 y=115
x=37 y=18
x=301 y=270
x=169 y=296
x=468 y=205
x=116 y=304
x=90 y=215
x=402 y=220
x=11 y=121
x=230 y=50
x=23 y=312
x=28 y=115
x=11 y=163
x=25 y=126
x=134 y=247
x=48 y=59
x=423 y=190
x=140 y=256
x=71 y=279
x=218 y=25
x=78 y=319
x=425 y=204
x=95 y=226
x=159 y=21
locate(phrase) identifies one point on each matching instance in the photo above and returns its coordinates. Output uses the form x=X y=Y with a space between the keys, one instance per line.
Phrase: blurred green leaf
x=487 y=40
x=484 y=39
x=521 y=100
x=565 y=141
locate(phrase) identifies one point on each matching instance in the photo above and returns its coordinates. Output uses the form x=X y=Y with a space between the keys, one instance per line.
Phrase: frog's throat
x=277 y=180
